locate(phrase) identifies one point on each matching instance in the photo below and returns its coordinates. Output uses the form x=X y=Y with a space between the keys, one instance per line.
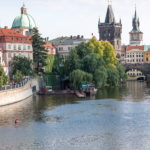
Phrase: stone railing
x=17 y=85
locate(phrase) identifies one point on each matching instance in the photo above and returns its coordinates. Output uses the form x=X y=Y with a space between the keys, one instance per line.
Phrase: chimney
x=6 y=27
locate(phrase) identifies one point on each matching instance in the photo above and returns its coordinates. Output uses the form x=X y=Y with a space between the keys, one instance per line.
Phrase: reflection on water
x=133 y=92
x=67 y=123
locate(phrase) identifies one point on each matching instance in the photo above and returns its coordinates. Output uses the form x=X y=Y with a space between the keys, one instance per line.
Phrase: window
x=27 y=33
x=147 y=59
x=15 y=47
x=9 y=46
x=9 y=55
x=19 y=47
x=29 y=47
x=9 y=64
x=28 y=55
x=60 y=48
x=24 y=47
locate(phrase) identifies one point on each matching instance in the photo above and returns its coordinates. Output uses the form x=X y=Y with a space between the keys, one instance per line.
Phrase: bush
x=18 y=76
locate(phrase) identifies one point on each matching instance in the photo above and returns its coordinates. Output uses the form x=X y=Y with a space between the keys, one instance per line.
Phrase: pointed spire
x=110 y=15
x=99 y=21
x=135 y=15
x=136 y=23
x=120 y=21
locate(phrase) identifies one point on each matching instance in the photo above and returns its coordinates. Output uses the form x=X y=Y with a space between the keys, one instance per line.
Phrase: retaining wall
x=15 y=95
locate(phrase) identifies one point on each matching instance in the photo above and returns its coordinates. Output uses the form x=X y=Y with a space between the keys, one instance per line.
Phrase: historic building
x=51 y=49
x=136 y=36
x=17 y=40
x=13 y=44
x=24 y=23
x=64 y=45
x=134 y=54
x=111 y=31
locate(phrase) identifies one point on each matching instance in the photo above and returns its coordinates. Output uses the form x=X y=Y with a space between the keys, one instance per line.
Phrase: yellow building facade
x=147 y=57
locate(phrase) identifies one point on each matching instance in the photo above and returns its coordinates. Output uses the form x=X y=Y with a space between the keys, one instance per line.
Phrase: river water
x=116 y=119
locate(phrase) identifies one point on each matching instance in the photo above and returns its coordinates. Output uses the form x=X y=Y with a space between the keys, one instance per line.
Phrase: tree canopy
x=23 y=64
x=39 y=51
x=98 y=59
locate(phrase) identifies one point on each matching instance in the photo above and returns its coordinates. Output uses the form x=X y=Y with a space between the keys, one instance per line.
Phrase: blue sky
x=77 y=17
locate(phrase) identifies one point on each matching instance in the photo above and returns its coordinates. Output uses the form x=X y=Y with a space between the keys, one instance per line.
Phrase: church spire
x=136 y=23
x=109 y=15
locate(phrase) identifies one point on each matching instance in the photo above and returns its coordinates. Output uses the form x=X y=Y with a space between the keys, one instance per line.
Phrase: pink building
x=13 y=44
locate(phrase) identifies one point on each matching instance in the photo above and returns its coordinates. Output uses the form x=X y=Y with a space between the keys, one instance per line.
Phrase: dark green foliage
x=100 y=77
x=113 y=76
x=3 y=77
x=77 y=77
x=23 y=64
x=122 y=75
x=58 y=66
x=39 y=51
x=91 y=62
x=18 y=76
x=82 y=50
x=72 y=62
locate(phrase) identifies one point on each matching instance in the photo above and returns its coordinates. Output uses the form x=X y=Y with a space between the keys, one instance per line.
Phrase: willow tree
x=39 y=51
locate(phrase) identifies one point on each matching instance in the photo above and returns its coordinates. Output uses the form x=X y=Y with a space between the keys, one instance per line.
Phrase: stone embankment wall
x=15 y=95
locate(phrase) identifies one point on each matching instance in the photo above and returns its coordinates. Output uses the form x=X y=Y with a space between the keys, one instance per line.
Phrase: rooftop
x=68 y=40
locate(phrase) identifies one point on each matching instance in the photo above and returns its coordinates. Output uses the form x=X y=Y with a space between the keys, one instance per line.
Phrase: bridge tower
x=110 y=30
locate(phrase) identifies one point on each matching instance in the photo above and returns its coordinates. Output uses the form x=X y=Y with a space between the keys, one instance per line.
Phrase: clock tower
x=136 y=36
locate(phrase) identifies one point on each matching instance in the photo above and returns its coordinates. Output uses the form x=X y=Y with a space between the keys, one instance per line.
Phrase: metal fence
x=17 y=85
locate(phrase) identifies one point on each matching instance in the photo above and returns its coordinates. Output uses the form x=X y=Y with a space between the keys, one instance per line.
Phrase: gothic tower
x=111 y=31
x=136 y=36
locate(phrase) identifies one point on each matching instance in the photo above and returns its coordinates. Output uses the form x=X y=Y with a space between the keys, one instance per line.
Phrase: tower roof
x=109 y=15
x=24 y=20
x=135 y=24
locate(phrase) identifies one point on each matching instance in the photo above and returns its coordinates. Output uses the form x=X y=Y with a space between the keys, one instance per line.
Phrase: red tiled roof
x=135 y=47
x=9 y=32
x=9 y=35
x=48 y=46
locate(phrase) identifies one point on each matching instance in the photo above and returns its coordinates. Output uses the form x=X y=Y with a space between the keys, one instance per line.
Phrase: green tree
x=83 y=49
x=122 y=75
x=100 y=77
x=18 y=76
x=77 y=77
x=72 y=62
x=50 y=63
x=113 y=76
x=23 y=64
x=58 y=66
x=39 y=51
x=3 y=77
x=109 y=55
x=91 y=62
